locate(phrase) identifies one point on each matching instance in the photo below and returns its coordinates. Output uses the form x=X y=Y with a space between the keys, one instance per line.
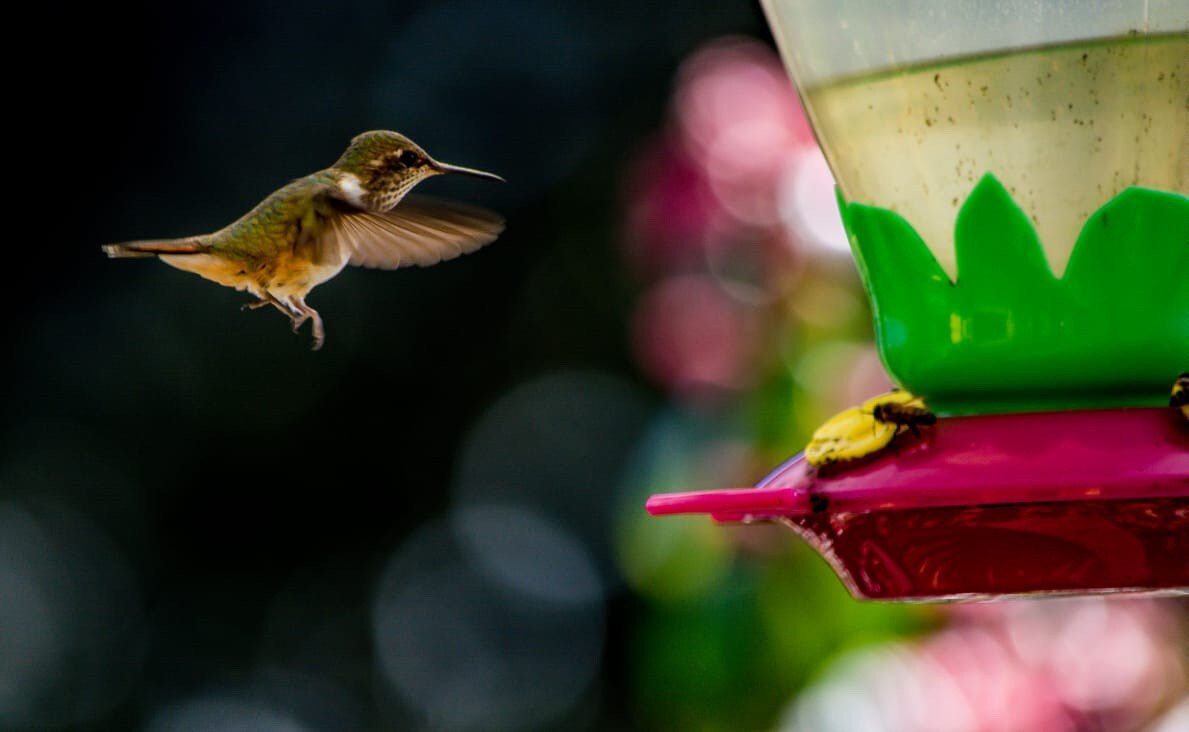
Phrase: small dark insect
x=903 y=415
x=1180 y=394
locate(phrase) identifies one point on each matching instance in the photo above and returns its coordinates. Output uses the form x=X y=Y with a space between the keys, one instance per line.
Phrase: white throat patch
x=351 y=190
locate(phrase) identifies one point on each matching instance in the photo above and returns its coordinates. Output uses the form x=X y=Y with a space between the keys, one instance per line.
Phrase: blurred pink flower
x=990 y=684
x=671 y=211
x=741 y=120
x=720 y=177
x=1052 y=665
x=690 y=335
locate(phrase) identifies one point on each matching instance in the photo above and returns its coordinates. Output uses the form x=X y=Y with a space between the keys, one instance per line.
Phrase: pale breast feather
x=351 y=190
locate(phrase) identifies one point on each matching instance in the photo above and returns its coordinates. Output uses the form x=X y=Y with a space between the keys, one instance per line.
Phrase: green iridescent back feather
x=277 y=221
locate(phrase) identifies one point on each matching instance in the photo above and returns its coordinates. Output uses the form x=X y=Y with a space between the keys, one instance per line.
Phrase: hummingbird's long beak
x=448 y=168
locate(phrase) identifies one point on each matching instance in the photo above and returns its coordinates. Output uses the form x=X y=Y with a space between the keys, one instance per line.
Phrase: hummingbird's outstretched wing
x=419 y=231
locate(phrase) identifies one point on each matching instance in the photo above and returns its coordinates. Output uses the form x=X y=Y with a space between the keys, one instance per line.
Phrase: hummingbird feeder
x=1012 y=178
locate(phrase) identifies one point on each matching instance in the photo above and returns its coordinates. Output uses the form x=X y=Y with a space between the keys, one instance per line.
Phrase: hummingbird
x=354 y=212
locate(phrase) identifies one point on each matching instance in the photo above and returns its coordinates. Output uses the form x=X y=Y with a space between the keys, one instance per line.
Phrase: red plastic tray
x=993 y=505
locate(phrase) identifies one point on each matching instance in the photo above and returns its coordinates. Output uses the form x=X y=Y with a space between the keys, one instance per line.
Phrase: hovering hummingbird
x=354 y=212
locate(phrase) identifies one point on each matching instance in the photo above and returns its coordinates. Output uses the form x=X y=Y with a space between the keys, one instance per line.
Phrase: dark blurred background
x=436 y=522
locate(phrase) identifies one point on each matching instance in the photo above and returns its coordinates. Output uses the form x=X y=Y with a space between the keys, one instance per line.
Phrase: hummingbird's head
x=380 y=167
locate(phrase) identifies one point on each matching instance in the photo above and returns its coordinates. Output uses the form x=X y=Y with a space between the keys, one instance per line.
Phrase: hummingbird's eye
x=410 y=158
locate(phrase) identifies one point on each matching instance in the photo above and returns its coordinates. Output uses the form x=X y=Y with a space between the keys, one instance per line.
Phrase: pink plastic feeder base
x=986 y=506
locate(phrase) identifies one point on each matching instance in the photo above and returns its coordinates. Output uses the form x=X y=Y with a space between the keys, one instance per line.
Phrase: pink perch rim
x=1042 y=457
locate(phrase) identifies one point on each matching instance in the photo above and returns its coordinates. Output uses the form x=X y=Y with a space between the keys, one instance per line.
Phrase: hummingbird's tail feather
x=154 y=248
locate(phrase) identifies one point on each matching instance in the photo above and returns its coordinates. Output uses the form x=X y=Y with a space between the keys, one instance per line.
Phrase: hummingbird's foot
x=268 y=299
x=296 y=317
x=297 y=321
x=319 y=335
x=308 y=313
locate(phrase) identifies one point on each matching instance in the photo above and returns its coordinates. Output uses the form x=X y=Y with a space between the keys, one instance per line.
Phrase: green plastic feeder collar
x=1009 y=336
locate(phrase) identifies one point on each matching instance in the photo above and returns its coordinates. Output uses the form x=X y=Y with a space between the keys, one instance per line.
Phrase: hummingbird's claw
x=308 y=313
x=319 y=332
x=267 y=299
x=298 y=313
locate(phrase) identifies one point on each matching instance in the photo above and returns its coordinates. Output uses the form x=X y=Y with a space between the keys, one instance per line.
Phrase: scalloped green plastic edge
x=1009 y=336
